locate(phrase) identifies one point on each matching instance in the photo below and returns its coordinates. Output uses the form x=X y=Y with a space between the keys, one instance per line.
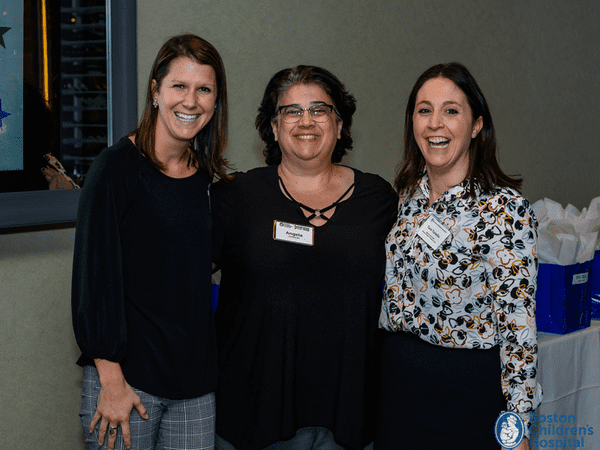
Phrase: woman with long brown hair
x=141 y=273
x=459 y=305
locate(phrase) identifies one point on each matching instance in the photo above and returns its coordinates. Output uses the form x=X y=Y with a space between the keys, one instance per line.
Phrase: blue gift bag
x=595 y=286
x=563 y=297
x=214 y=297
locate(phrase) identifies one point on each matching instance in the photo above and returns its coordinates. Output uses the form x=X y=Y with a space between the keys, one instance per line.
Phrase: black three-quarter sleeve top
x=141 y=275
x=296 y=324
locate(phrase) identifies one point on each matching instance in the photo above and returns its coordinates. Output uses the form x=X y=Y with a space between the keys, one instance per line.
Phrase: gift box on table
x=595 y=286
x=563 y=298
x=567 y=240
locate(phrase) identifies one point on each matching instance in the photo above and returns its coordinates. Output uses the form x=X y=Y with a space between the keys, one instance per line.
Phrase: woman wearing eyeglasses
x=300 y=244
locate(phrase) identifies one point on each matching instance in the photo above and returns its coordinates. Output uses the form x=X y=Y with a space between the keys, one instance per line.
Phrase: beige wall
x=536 y=62
x=40 y=385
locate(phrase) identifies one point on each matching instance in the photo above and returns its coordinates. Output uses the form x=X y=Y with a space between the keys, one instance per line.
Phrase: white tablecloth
x=569 y=371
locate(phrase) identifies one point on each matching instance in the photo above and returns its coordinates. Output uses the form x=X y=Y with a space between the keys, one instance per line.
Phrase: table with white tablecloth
x=569 y=372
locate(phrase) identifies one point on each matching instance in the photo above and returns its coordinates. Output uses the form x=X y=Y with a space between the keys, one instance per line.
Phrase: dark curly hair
x=343 y=101
x=483 y=164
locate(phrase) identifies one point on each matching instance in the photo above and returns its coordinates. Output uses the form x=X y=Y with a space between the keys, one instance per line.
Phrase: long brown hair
x=208 y=146
x=483 y=164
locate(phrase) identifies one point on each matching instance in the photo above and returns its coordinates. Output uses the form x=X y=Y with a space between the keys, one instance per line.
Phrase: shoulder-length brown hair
x=208 y=146
x=483 y=164
x=343 y=102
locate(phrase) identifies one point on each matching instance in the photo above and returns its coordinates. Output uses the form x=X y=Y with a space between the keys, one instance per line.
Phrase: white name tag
x=289 y=232
x=580 y=278
x=433 y=232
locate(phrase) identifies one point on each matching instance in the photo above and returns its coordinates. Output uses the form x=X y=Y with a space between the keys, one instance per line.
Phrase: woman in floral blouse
x=459 y=303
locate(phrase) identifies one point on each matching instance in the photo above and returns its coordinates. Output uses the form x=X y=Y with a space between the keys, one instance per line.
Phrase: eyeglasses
x=318 y=113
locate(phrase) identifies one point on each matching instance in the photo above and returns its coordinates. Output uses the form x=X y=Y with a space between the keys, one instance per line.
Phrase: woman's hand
x=524 y=445
x=115 y=402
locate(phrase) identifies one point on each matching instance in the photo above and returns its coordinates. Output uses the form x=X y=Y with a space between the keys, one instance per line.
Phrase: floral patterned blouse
x=477 y=288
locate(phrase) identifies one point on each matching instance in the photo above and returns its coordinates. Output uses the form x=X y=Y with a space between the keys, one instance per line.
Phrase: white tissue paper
x=566 y=236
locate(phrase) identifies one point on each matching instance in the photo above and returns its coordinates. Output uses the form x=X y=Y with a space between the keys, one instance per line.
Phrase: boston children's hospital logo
x=560 y=431
x=547 y=431
x=509 y=429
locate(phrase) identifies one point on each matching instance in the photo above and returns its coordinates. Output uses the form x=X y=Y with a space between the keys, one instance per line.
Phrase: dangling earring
x=154 y=103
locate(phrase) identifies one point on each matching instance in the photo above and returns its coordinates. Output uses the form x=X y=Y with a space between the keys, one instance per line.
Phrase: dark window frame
x=39 y=208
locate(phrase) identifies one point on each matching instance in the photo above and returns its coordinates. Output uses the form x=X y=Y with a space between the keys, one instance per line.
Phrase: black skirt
x=434 y=397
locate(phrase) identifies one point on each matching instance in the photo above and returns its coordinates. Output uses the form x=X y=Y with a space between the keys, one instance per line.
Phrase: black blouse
x=296 y=324
x=141 y=275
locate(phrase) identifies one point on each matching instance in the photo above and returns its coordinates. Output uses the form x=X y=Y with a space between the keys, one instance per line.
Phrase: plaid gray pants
x=173 y=424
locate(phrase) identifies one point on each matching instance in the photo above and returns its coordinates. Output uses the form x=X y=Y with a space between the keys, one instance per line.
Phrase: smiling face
x=186 y=102
x=443 y=126
x=307 y=140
